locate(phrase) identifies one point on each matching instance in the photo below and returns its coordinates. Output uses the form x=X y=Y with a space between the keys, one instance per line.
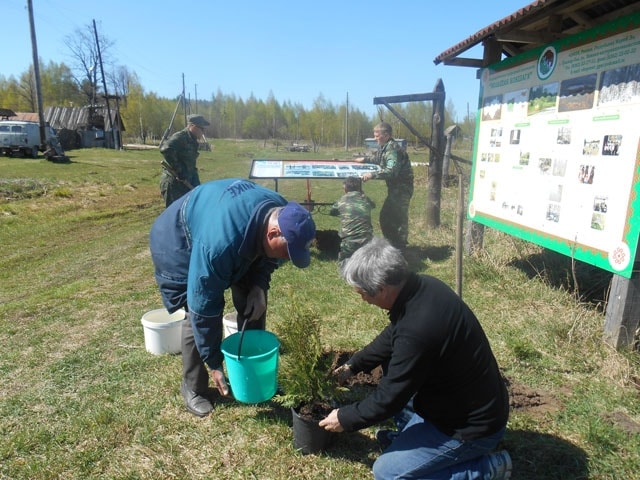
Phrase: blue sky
x=294 y=50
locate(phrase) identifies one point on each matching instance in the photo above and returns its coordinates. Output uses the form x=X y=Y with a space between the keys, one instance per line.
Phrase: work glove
x=256 y=304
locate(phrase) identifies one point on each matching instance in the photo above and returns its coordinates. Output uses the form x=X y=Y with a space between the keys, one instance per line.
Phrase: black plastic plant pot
x=308 y=437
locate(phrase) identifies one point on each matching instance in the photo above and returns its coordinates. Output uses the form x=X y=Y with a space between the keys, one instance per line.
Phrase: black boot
x=195 y=378
x=197 y=404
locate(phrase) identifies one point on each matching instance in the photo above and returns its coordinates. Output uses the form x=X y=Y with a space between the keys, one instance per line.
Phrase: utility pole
x=104 y=85
x=346 y=126
x=184 y=102
x=36 y=72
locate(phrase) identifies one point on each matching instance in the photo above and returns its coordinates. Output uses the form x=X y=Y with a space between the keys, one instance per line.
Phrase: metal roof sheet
x=75 y=118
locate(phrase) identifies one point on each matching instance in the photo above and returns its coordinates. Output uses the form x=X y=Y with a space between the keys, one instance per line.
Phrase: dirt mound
x=521 y=397
x=525 y=399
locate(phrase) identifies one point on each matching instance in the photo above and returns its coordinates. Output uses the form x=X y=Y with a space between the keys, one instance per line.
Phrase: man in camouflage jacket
x=180 y=152
x=395 y=169
x=354 y=210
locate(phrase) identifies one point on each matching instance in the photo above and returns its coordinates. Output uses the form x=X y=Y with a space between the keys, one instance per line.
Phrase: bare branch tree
x=84 y=53
x=120 y=80
x=27 y=89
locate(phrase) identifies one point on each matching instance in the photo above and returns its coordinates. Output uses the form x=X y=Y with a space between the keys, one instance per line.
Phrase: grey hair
x=275 y=211
x=374 y=266
x=273 y=215
x=383 y=127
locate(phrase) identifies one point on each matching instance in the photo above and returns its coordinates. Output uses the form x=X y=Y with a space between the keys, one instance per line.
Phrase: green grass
x=80 y=398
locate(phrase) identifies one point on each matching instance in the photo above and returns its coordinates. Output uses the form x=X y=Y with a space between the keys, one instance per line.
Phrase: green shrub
x=305 y=367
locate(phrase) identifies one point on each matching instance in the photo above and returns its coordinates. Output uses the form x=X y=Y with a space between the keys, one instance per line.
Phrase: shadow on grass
x=544 y=457
x=64 y=159
x=589 y=282
x=354 y=447
x=327 y=243
x=417 y=256
x=534 y=455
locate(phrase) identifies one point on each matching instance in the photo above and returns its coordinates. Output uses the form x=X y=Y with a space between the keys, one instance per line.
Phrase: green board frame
x=556 y=157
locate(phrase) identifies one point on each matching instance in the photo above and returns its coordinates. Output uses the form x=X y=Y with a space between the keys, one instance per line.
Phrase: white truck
x=23 y=138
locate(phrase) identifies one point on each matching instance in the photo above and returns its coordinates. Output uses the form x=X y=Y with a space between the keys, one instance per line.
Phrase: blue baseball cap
x=299 y=230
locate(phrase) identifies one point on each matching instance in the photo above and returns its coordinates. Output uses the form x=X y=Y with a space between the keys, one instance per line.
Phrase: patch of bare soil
x=528 y=400
x=366 y=379
x=623 y=422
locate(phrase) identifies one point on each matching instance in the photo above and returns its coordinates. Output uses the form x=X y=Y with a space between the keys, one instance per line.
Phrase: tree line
x=146 y=116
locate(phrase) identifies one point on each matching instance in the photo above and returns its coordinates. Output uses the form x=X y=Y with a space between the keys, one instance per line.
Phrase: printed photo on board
x=611 y=145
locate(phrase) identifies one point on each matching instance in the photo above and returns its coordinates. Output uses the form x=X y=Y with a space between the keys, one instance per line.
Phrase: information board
x=556 y=154
x=308 y=169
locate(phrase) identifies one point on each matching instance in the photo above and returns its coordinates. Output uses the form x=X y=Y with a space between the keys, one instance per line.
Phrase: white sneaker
x=500 y=465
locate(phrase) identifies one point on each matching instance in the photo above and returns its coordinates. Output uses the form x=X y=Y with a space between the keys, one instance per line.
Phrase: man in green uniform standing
x=180 y=152
x=395 y=169
x=354 y=210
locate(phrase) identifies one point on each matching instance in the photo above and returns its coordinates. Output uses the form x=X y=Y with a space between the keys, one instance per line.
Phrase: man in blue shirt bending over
x=229 y=233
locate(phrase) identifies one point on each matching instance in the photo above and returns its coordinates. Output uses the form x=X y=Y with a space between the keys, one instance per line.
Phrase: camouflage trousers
x=349 y=246
x=394 y=216
x=171 y=189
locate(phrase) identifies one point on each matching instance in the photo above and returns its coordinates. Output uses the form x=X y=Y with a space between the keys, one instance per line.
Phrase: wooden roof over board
x=534 y=25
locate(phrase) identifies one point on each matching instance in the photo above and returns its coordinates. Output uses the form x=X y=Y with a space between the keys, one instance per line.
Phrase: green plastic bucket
x=253 y=375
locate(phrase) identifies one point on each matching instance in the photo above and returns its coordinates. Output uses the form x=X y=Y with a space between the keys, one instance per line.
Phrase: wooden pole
x=460 y=211
x=36 y=72
x=184 y=102
x=460 y=234
x=104 y=85
x=623 y=309
x=434 y=178
x=346 y=126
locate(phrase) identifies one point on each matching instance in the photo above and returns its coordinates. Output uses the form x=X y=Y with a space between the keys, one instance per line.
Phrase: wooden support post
x=460 y=234
x=461 y=210
x=623 y=309
x=434 y=178
x=446 y=160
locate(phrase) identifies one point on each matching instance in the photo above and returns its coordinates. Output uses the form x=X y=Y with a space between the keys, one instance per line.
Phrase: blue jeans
x=421 y=451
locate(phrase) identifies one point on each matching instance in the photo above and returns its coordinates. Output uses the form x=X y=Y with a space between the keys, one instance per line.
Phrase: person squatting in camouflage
x=395 y=169
x=180 y=151
x=354 y=210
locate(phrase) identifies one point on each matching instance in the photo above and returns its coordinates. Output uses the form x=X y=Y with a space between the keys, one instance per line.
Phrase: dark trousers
x=194 y=372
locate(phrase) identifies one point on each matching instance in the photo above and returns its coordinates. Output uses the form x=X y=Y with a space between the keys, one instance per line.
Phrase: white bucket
x=163 y=331
x=230 y=324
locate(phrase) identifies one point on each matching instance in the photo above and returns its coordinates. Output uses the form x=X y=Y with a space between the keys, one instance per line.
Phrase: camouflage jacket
x=180 y=151
x=354 y=210
x=395 y=166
